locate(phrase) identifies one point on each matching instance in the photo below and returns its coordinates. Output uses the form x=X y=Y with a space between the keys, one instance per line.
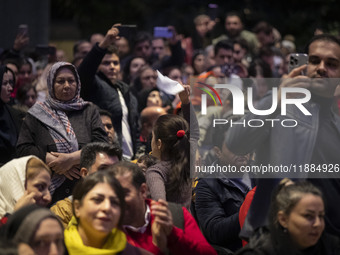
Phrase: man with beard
x=312 y=143
x=234 y=30
x=157 y=226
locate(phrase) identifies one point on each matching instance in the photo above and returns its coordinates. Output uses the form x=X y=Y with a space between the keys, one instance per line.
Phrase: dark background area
x=290 y=16
x=59 y=20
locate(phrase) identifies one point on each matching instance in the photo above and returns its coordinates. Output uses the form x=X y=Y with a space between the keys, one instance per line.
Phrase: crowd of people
x=97 y=154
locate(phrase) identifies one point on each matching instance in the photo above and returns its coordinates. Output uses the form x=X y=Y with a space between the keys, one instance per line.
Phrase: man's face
x=135 y=201
x=324 y=62
x=83 y=49
x=238 y=53
x=223 y=57
x=102 y=161
x=143 y=49
x=110 y=67
x=233 y=25
x=229 y=158
x=202 y=27
x=106 y=120
x=122 y=46
x=158 y=47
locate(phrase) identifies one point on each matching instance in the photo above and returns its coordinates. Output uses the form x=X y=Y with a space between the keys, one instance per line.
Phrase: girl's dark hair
x=23 y=90
x=86 y=184
x=174 y=149
x=195 y=55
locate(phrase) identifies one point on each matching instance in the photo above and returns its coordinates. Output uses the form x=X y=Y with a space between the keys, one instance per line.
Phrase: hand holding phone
x=23 y=30
x=297 y=60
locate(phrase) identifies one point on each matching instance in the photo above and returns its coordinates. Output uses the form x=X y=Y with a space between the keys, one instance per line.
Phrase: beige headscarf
x=12 y=183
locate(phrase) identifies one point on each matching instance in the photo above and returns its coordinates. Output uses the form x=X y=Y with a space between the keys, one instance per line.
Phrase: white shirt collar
x=143 y=228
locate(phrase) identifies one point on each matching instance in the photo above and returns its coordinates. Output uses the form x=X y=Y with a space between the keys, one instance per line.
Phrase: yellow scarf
x=115 y=243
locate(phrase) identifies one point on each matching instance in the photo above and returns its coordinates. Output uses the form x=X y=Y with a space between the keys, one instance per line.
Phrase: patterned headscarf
x=52 y=114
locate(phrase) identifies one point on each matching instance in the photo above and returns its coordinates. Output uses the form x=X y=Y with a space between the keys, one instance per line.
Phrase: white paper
x=167 y=85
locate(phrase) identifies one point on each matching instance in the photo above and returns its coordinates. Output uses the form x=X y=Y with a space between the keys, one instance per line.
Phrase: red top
x=187 y=241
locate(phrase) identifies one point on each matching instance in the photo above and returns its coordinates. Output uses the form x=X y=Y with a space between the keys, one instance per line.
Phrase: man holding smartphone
x=313 y=142
x=99 y=73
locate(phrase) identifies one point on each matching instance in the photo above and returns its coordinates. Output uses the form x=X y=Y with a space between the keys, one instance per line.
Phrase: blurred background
x=62 y=22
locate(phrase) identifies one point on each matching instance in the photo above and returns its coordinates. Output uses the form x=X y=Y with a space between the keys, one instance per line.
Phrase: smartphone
x=163 y=32
x=213 y=11
x=23 y=29
x=297 y=60
x=127 y=31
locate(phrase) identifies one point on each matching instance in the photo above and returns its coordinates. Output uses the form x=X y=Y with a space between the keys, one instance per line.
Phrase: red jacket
x=190 y=240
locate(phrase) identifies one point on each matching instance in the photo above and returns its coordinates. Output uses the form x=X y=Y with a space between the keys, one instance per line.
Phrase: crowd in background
x=64 y=123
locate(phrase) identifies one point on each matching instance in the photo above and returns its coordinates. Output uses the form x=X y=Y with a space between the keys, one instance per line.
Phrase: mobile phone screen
x=163 y=32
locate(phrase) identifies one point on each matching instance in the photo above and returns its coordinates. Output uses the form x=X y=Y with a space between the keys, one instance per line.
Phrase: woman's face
x=135 y=65
x=39 y=184
x=65 y=85
x=30 y=98
x=7 y=87
x=25 y=73
x=305 y=223
x=148 y=79
x=49 y=238
x=99 y=212
x=154 y=99
x=199 y=63
x=176 y=75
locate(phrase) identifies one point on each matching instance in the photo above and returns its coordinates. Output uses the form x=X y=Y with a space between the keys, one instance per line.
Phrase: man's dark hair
x=242 y=42
x=234 y=13
x=122 y=168
x=142 y=36
x=89 y=153
x=148 y=160
x=224 y=44
x=263 y=27
x=77 y=44
x=103 y=112
x=323 y=37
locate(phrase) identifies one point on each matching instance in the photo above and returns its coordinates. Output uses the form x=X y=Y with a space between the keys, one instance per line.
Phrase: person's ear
x=218 y=152
x=83 y=172
x=143 y=190
x=76 y=208
x=282 y=219
x=159 y=144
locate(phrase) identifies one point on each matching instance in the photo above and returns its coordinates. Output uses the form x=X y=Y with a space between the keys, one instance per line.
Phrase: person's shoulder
x=248 y=35
x=132 y=250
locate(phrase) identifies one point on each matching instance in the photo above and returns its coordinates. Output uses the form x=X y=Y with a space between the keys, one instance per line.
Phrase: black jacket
x=99 y=90
x=217 y=205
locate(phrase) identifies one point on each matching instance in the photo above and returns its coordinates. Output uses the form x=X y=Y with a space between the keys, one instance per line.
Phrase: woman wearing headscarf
x=55 y=130
x=23 y=181
x=36 y=226
x=10 y=119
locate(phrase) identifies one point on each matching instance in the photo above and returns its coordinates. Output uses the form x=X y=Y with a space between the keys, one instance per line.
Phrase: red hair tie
x=180 y=133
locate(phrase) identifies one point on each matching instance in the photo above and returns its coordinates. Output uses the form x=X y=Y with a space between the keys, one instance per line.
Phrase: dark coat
x=10 y=123
x=265 y=243
x=217 y=208
x=35 y=139
x=99 y=90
